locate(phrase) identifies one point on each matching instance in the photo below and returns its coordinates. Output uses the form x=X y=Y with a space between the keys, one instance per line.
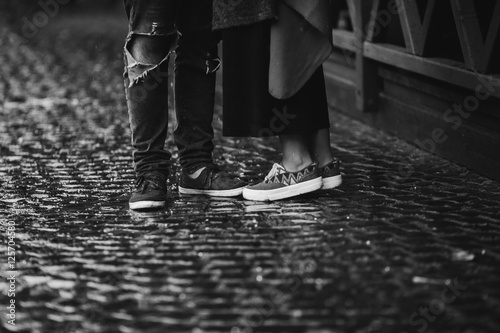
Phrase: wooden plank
x=492 y=39
x=431 y=89
x=339 y=56
x=341 y=97
x=371 y=34
x=344 y=39
x=415 y=30
x=411 y=25
x=341 y=72
x=430 y=94
x=340 y=77
x=367 y=86
x=352 y=11
x=429 y=11
x=470 y=145
x=476 y=48
x=469 y=32
x=441 y=69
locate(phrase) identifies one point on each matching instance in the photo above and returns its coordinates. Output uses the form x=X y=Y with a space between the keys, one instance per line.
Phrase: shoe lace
x=213 y=168
x=275 y=170
x=149 y=181
x=213 y=172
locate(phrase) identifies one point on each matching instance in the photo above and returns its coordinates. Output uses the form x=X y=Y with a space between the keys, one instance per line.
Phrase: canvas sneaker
x=212 y=181
x=282 y=184
x=331 y=175
x=150 y=191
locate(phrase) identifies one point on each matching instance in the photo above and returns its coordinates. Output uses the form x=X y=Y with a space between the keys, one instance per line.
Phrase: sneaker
x=331 y=175
x=281 y=184
x=150 y=191
x=212 y=181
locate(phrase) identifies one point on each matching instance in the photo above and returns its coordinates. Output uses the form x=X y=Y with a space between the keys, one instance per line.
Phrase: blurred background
x=12 y=10
x=79 y=41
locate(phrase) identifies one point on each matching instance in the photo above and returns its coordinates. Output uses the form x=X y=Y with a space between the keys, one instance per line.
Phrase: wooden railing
x=455 y=41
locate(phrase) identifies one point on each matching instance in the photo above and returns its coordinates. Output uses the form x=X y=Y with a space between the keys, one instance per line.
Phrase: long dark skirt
x=248 y=108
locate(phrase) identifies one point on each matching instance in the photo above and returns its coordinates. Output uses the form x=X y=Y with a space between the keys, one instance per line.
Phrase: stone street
x=409 y=243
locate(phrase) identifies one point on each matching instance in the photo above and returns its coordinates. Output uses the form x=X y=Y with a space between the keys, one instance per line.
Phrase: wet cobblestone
x=409 y=243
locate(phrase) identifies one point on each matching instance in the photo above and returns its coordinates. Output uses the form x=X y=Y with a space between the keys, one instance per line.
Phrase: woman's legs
x=296 y=153
x=301 y=150
x=296 y=175
x=308 y=110
x=322 y=152
x=319 y=147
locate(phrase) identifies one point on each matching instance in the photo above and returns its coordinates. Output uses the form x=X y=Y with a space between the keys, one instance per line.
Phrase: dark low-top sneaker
x=282 y=184
x=212 y=181
x=331 y=175
x=150 y=191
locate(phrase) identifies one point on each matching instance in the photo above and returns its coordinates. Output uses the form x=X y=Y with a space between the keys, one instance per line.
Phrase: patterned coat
x=232 y=13
x=300 y=36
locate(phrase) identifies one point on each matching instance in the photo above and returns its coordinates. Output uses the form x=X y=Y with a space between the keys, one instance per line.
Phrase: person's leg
x=297 y=174
x=150 y=49
x=296 y=155
x=305 y=138
x=151 y=35
x=246 y=102
x=310 y=106
x=195 y=65
x=329 y=166
x=319 y=146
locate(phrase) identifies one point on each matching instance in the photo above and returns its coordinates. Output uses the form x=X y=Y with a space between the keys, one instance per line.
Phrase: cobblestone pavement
x=409 y=243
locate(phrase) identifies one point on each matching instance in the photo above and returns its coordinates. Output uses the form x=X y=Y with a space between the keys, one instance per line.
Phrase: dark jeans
x=146 y=85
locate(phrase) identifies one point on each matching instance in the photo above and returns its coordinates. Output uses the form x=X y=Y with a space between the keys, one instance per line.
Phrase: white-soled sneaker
x=150 y=191
x=331 y=175
x=212 y=181
x=282 y=184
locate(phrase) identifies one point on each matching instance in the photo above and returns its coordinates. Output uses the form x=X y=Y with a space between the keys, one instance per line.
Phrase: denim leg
x=146 y=84
x=195 y=65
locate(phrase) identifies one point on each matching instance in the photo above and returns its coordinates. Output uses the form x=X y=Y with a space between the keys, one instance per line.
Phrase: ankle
x=296 y=164
x=324 y=161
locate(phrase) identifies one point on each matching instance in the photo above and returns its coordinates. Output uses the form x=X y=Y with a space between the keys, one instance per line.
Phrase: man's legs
x=195 y=65
x=151 y=35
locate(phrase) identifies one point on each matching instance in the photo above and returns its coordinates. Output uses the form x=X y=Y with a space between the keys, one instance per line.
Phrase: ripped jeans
x=146 y=85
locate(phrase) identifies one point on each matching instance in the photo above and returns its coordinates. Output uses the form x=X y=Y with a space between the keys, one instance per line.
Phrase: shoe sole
x=213 y=193
x=283 y=192
x=146 y=204
x=331 y=182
